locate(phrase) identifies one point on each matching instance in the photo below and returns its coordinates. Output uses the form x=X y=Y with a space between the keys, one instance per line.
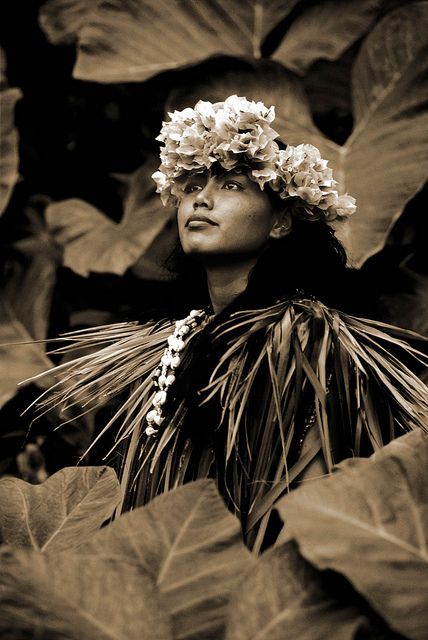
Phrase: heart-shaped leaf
x=369 y=522
x=94 y=243
x=53 y=596
x=191 y=546
x=284 y=598
x=342 y=24
x=128 y=41
x=60 y=514
x=383 y=162
x=9 y=159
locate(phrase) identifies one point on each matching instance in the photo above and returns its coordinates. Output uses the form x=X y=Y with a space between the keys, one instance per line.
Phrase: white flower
x=239 y=131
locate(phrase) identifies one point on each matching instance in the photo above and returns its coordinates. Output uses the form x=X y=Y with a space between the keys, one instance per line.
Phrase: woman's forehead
x=216 y=171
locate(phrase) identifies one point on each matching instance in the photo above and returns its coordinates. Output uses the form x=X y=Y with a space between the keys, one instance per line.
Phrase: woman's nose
x=204 y=198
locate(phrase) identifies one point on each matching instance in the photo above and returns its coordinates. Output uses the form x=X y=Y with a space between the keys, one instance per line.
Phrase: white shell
x=160 y=398
x=150 y=431
x=184 y=330
x=150 y=417
x=179 y=345
x=175 y=362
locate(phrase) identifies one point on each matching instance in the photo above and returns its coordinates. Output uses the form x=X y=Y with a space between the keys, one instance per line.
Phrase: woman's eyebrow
x=230 y=175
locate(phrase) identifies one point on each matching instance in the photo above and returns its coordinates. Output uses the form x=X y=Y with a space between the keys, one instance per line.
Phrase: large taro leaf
x=369 y=522
x=191 y=546
x=30 y=271
x=67 y=597
x=9 y=159
x=60 y=514
x=26 y=295
x=284 y=598
x=129 y=41
x=383 y=162
x=20 y=357
x=342 y=24
x=94 y=243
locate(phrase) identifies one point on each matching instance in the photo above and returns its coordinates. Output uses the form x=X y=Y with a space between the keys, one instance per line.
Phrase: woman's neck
x=227 y=281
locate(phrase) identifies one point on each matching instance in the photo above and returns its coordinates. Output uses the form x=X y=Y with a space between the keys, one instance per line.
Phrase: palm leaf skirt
x=275 y=372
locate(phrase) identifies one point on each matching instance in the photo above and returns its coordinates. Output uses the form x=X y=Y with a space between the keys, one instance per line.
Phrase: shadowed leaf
x=94 y=243
x=67 y=597
x=128 y=41
x=191 y=546
x=369 y=522
x=61 y=20
x=9 y=159
x=18 y=362
x=30 y=274
x=328 y=85
x=342 y=24
x=283 y=598
x=383 y=162
x=60 y=514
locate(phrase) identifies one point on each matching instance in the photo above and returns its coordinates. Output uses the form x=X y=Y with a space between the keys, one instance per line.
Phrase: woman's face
x=224 y=215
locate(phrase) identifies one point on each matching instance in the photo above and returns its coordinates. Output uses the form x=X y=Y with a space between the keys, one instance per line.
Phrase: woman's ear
x=282 y=225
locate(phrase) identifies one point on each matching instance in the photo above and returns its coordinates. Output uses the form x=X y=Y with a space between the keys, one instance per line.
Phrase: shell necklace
x=164 y=375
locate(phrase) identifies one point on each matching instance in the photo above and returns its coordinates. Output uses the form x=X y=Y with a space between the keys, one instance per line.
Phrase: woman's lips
x=195 y=221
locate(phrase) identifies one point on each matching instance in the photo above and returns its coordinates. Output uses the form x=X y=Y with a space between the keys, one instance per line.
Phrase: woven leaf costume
x=272 y=375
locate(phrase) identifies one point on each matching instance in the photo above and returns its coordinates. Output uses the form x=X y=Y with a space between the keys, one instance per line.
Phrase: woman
x=261 y=384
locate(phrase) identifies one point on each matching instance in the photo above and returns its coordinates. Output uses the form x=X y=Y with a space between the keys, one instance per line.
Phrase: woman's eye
x=232 y=186
x=191 y=188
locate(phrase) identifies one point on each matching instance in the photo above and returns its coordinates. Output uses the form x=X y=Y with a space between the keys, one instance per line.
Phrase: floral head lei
x=237 y=132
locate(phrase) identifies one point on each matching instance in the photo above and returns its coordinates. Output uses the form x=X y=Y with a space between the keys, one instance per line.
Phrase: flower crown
x=238 y=132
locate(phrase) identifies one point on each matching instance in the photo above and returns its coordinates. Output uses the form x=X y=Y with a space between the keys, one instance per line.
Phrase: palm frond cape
x=249 y=390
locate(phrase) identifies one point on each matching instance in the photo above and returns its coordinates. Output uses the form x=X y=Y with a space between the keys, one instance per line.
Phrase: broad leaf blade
x=94 y=243
x=9 y=159
x=342 y=24
x=68 y=597
x=60 y=514
x=383 y=162
x=191 y=546
x=127 y=41
x=18 y=362
x=25 y=306
x=386 y=156
x=369 y=521
x=284 y=598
